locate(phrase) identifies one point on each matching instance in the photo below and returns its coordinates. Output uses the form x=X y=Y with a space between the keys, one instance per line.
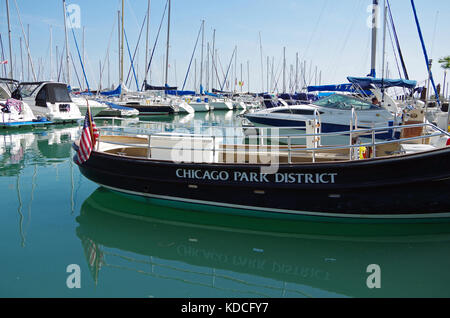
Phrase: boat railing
x=268 y=142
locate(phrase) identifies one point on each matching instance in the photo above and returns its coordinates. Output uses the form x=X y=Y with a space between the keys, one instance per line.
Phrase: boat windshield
x=344 y=102
x=26 y=90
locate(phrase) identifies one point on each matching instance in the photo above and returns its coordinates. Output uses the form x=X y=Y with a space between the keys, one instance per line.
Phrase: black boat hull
x=152 y=110
x=401 y=188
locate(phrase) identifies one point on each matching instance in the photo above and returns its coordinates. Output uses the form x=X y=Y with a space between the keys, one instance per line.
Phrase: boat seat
x=414 y=148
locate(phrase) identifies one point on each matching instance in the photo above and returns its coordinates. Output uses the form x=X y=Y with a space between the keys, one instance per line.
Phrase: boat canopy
x=180 y=93
x=115 y=92
x=349 y=87
x=149 y=87
x=367 y=82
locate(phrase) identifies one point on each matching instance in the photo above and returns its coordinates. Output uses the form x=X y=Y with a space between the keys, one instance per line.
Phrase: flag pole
x=91 y=130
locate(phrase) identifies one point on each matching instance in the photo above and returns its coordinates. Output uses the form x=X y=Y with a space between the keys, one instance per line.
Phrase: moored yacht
x=14 y=113
x=221 y=104
x=50 y=100
x=374 y=181
x=336 y=113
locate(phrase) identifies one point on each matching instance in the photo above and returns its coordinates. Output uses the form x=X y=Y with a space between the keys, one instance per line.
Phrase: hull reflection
x=264 y=257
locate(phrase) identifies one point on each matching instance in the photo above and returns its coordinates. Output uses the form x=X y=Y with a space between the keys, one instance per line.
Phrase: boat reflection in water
x=248 y=257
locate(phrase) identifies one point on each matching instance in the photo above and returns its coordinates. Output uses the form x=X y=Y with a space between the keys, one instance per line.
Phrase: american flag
x=89 y=136
x=4 y=62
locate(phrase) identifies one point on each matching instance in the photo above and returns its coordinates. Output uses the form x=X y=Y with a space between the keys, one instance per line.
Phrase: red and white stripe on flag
x=4 y=62
x=87 y=141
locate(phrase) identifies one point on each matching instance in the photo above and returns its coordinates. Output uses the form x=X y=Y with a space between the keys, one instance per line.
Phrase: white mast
x=167 y=46
x=51 y=54
x=147 y=37
x=213 y=59
x=284 y=69
x=262 y=63
x=201 y=62
x=21 y=59
x=121 y=45
x=67 y=44
x=11 y=73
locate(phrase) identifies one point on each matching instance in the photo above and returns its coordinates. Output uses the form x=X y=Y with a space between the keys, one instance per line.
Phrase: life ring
x=364 y=153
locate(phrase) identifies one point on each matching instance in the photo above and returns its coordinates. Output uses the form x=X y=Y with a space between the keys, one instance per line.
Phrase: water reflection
x=260 y=258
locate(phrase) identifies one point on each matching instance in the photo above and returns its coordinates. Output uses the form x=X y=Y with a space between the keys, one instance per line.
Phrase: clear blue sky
x=332 y=35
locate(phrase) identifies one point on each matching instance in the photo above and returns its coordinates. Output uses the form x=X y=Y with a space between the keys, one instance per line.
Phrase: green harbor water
x=52 y=217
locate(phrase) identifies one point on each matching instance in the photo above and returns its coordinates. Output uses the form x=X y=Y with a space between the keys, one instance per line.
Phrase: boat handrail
x=357 y=132
x=217 y=145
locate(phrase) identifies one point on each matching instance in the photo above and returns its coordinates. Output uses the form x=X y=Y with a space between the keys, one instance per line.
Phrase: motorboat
x=336 y=114
x=50 y=100
x=400 y=180
x=15 y=113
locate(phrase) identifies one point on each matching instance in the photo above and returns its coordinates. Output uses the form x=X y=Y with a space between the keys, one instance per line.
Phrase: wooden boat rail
x=136 y=141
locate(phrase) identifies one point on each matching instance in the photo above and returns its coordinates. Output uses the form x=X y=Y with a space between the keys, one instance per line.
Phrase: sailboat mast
x=167 y=46
x=213 y=59
x=262 y=63
x=201 y=62
x=374 y=38
x=10 y=43
x=67 y=43
x=146 y=41
x=51 y=53
x=121 y=44
x=284 y=69
x=22 y=77
x=118 y=40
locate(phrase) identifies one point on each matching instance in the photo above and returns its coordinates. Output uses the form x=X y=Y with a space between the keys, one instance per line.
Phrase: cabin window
x=41 y=97
x=343 y=102
x=3 y=94
x=61 y=94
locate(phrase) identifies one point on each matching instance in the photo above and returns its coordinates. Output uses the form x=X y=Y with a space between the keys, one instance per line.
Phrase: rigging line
x=133 y=14
x=228 y=70
x=79 y=56
x=214 y=64
x=349 y=32
x=26 y=42
x=434 y=34
x=192 y=57
x=135 y=50
x=315 y=28
x=131 y=60
x=395 y=55
x=430 y=73
x=75 y=69
x=397 y=41
x=393 y=49
x=3 y=57
x=107 y=51
x=61 y=62
x=156 y=42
